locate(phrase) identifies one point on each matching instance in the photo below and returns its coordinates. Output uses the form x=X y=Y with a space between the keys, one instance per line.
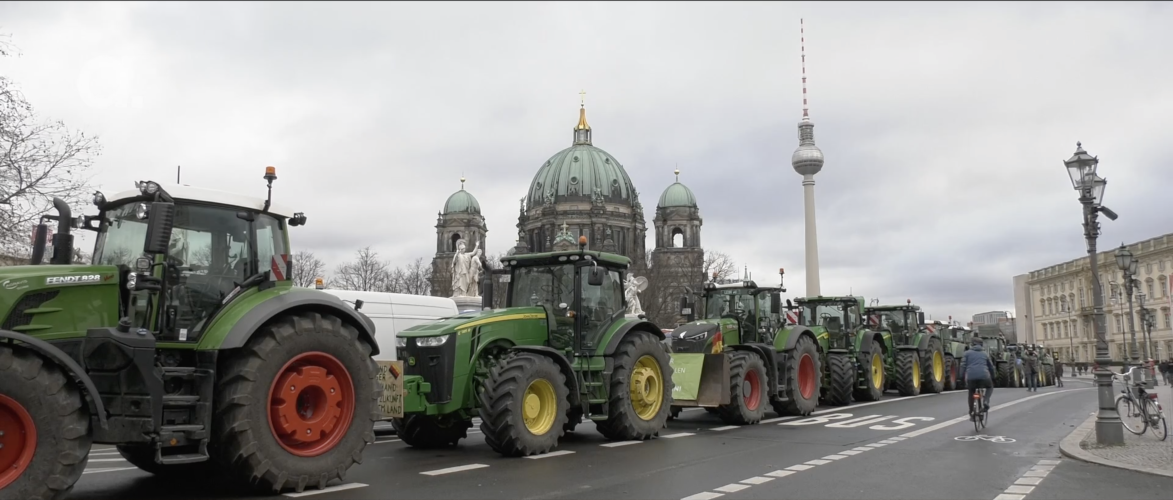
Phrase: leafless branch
x=307 y=268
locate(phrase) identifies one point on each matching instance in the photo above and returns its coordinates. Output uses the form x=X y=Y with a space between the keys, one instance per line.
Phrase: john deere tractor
x=734 y=359
x=184 y=344
x=852 y=353
x=955 y=341
x=562 y=349
x=918 y=356
x=1002 y=353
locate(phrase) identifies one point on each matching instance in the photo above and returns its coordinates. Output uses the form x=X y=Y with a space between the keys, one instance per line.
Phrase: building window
x=1166 y=314
x=1081 y=298
x=1065 y=331
x=1149 y=284
x=1119 y=328
x=1161 y=280
x=1161 y=266
x=1148 y=268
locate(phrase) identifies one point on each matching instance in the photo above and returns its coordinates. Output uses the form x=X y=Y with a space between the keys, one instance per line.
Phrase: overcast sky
x=944 y=125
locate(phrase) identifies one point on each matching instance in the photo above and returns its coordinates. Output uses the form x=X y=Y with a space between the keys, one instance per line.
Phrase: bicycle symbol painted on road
x=983 y=437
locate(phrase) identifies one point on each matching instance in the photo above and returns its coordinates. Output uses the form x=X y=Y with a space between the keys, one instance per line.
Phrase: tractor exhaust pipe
x=62 y=241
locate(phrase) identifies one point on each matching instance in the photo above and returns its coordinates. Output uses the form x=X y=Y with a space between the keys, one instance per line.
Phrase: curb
x=1069 y=447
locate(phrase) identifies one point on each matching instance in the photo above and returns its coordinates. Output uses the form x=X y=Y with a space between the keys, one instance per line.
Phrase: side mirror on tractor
x=775 y=303
x=160 y=223
x=920 y=316
x=595 y=276
x=686 y=310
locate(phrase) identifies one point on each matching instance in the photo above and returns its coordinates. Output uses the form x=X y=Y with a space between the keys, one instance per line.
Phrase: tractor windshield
x=892 y=319
x=731 y=302
x=825 y=314
x=542 y=285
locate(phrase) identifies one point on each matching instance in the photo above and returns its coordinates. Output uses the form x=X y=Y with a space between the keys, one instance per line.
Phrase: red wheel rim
x=806 y=376
x=311 y=404
x=19 y=439
x=754 y=398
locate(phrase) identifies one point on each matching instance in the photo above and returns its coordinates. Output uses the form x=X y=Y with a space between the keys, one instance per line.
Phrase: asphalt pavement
x=905 y=448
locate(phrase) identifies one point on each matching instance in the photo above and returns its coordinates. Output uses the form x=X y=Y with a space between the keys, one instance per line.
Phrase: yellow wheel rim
x=916 y=371
x=539 y=406
x=877 y=371
x=646 y=388
x=938 y=367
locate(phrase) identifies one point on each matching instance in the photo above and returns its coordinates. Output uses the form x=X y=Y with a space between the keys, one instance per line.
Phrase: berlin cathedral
x=583 y=190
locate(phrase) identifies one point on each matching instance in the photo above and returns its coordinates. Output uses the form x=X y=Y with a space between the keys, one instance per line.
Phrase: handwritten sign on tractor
x=391 y=381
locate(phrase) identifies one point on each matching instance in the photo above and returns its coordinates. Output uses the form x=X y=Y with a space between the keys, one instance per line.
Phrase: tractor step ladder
x=195 y=431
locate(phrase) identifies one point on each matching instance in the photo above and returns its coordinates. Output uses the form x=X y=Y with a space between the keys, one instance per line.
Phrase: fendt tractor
x=737 y=359
x=563 y=348
x=852 y=353
x=185 y=344
x=917 y=357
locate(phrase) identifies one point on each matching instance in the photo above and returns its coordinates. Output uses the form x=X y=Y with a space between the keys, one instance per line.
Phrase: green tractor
x=184 y=344
x=562 y=349
x=1046 y=365
x=1002 y=353
x=955 y=341
x=852 y=353
x=917 y=356
x=735 y=361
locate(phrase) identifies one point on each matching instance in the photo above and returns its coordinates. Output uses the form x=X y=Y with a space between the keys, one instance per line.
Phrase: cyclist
x=979 y=372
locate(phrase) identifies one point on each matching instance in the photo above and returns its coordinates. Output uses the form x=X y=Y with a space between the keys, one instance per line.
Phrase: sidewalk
x=1142 y=453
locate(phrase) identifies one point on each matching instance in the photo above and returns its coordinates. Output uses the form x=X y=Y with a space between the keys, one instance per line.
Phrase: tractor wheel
x=950 y=373
x=933 y=363
x=425 y=431
x=908 y=372
x=803 y=378
x=524 y=406
x=842 y=379
x=143 y=457
x=40 y=461
x=873 y=374
x=674 y=412
x=641 y=390
x=1005 y=374
x=296 y=405
x=573 y=418
x=747 y=390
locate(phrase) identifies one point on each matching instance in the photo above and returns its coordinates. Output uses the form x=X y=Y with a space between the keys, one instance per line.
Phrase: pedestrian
x=1030 y=365
x=1168 y=372
x=1058 y=373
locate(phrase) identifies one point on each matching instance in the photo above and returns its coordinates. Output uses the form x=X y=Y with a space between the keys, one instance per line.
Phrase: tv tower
x=808 y=161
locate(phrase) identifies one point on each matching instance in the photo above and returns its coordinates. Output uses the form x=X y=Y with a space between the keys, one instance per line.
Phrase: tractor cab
x=732 y=312
x=840 y=316
x=903 y=321
x=581 y=293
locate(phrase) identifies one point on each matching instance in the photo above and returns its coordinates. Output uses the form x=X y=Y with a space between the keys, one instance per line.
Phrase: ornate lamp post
x=1129 y=265
x=1081 y=167
x=1070 y=334
x=1145 y=329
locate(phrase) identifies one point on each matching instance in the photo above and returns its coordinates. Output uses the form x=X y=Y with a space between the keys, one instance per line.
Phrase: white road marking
x=1004 y=496
x=834 y=457
x=1048 y=462
x=1021 y=490
x=777 y=419
x=450 y=470
x=889 y=441
x=877 y=445
x=732 y=488
x=328 y=489
x=1036 y=473
x=96 y=471
x=727 y=427
x=757 y=480
x=551 y=454
x=947 y=423
x=850 y=452
x=863 y=448
x=1042 y=467
x=800 y=467
x=897 y=438
x=703 y=496
x=1034 y=481
x=678 y=435
x=780 y=473
x=817 y=462
x=619 y=443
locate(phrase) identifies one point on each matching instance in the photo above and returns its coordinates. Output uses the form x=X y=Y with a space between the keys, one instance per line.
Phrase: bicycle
x=982 y=413
x=1136 y=403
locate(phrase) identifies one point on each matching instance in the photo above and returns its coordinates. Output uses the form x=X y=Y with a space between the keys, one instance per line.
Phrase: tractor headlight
x=131 y=281
x=149 y=187
x=698 y=336
x=431 y=341
x=141 y=211
x=400 y=342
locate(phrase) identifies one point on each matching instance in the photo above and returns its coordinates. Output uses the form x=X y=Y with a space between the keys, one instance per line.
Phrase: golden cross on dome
x=462 y=181
x=582 y=98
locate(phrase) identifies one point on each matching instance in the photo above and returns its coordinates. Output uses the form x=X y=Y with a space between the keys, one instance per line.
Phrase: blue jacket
x=976 y=364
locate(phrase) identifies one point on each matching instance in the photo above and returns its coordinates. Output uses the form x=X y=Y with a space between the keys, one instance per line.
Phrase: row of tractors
x=186 y=345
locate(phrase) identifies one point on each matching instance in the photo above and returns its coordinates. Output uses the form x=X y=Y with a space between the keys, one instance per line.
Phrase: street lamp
x=1070 y=335
x=1082 y=169
x=1150 y=377
x=1129 y=265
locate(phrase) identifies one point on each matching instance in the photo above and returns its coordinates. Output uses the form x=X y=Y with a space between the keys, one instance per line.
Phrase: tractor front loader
x=184 y=344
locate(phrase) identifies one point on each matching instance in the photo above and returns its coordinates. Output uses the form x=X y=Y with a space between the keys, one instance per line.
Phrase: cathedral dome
x=677 y=195
x=579 y=172
x=461 y=202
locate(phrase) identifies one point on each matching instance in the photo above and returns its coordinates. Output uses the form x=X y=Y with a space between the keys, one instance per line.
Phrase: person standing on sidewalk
x=1058 y=373
x=1030 y=366
x=1168 y=372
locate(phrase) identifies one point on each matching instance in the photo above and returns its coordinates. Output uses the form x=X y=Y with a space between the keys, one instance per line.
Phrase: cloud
x=944 y=125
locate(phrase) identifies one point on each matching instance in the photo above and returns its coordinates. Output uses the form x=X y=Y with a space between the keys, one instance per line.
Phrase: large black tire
x=908 y=372
x=573 y=418
x=748 y=395
x=245 y=442
x=424 y=431
x=798 y=403
x=143 y=457
x=62 y=445
x=1049 y=372
x=504 y=404
x=623 y=423
x=950 y=373
x=842 y=375
x=872 y=391
x=1005 y=374
x=933 y=382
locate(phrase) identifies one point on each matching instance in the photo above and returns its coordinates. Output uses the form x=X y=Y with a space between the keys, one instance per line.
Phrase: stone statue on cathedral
x=466 y=270
x=631 y=289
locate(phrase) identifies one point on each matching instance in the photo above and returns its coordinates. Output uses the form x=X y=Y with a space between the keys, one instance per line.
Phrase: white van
x=395 y=312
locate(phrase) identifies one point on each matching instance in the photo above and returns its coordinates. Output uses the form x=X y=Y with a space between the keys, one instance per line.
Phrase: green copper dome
x=677 y=195
x=581 y=173
x=462 y=202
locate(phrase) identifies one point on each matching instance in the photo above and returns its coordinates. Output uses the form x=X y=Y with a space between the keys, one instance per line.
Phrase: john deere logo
x=411 y=361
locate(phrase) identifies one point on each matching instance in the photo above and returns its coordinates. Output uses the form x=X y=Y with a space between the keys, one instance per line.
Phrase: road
x=908 y=448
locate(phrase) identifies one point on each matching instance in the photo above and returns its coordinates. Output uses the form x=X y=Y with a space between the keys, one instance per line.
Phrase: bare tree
x=720 y=263
x=39 y=160
x=307 y=268
x=668 y=282
x=415 y=278
x=366 y=273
